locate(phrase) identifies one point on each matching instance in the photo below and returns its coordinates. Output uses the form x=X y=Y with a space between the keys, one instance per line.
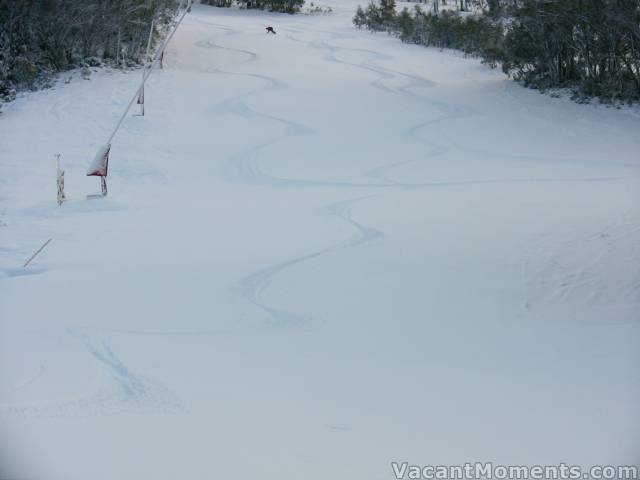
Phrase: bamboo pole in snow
x=36 y=254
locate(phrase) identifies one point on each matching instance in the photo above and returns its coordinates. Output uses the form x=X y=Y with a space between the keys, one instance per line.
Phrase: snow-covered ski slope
x=322 y=251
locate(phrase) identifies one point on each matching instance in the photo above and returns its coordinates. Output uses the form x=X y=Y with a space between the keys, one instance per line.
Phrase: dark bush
x=589 y=46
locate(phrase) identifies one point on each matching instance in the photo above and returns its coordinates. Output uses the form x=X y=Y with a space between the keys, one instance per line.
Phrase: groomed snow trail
x=322 y=251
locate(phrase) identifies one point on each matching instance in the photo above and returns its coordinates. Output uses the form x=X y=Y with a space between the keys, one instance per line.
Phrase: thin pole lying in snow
x=37 y=252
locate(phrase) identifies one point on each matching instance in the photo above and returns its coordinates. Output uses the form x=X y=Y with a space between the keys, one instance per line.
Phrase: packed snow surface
x=322 y=251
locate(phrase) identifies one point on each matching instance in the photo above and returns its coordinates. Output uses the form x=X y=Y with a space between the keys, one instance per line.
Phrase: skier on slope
x=270 y=30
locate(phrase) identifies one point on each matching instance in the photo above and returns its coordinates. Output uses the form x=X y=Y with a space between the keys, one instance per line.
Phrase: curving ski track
x=253 y=287
x=245 y=166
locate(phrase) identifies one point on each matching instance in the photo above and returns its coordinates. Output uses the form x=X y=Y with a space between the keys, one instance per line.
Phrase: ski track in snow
x=117 y=390
x=449 y=111
x=252 y=288
x=245 y=166
x=28 y=381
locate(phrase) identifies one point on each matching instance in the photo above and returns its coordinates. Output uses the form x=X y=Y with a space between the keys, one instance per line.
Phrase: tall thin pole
x=146 y=55
x=146 y=62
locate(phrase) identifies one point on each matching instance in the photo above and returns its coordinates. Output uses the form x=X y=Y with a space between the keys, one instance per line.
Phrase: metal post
x=60 y=181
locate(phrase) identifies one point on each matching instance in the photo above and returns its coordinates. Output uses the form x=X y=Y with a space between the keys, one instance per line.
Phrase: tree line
x=41 y=37
x=589 y=46
x=283 y=6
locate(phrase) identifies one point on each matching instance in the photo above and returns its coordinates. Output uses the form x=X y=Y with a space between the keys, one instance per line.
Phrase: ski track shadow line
x=252 y=288
x=120 y=391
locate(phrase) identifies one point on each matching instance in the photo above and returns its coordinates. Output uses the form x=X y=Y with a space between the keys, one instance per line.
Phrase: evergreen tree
x=406 y=25
x=373 y=15
x=360 y=19
x=388 y=13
